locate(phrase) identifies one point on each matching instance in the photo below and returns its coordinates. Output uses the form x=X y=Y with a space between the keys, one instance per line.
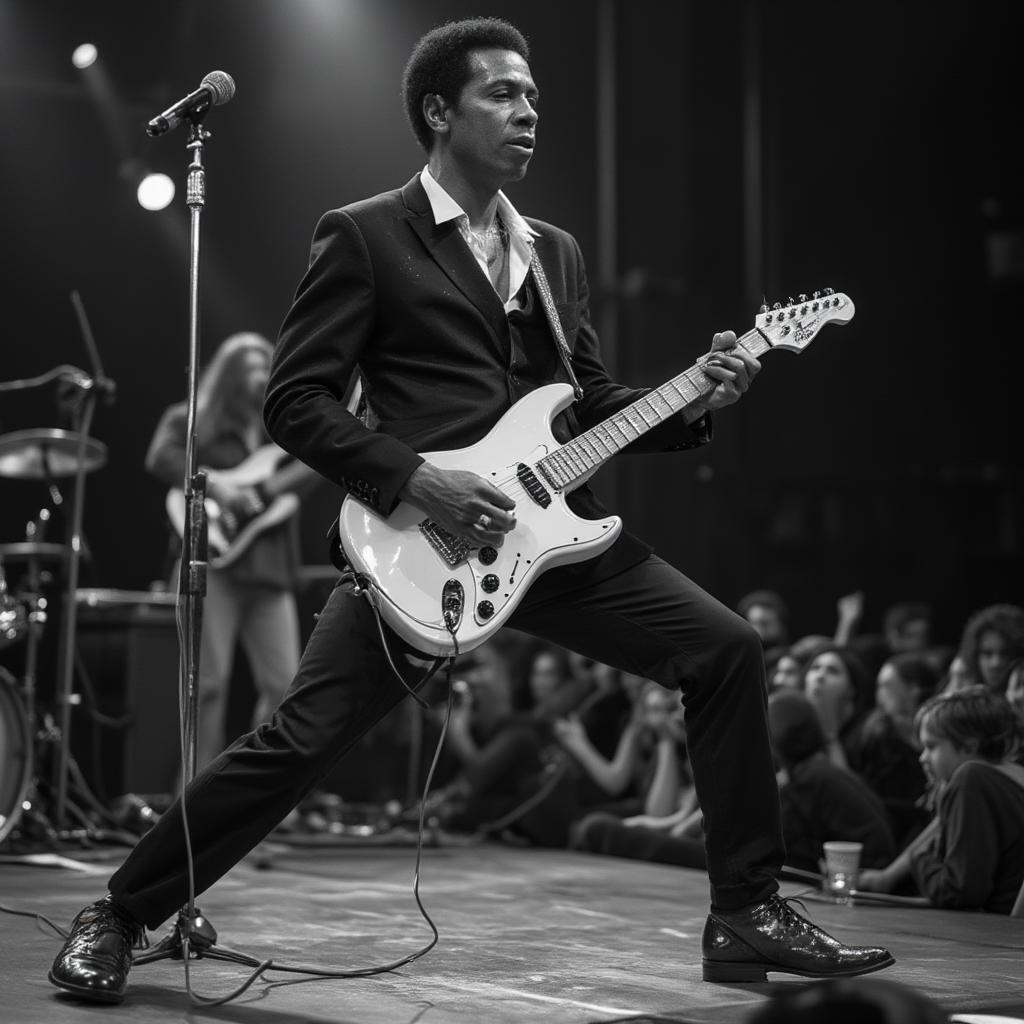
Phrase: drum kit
x=43 y=455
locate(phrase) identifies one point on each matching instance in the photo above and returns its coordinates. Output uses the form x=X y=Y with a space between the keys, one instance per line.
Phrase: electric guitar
x=444 y=593
x=229 y=534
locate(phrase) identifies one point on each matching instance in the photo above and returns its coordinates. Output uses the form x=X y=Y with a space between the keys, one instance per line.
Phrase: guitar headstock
x=794 y=326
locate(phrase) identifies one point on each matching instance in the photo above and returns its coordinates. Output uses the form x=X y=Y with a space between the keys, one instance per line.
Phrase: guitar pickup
x=534 y=488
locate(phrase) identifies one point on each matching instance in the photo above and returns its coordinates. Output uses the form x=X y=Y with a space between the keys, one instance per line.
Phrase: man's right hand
x=462 y=503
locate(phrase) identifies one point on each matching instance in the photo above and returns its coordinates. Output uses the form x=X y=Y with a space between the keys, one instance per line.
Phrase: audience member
x=887 y=755
x=502 y=756
x=768 y=614
x=819 y=802
x=838 y=686
x=992 y=639
x=906 y=628
x=1015 y=687
x=552 y=690
x=787 y=673
x=972 y=856
x=608 y=709
x=644 y=772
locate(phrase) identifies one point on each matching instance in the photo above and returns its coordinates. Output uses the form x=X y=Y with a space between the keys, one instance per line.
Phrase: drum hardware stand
x=90 y=388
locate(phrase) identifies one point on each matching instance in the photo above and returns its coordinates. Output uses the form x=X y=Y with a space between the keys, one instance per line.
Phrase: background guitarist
x=427 y=289
x=252 y=599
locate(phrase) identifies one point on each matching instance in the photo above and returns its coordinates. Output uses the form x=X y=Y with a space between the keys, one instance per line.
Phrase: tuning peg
x=816 y=295
x=830 y=291
x=777 y=305
x=802 y=297
x=790 y=301
x=763 y=309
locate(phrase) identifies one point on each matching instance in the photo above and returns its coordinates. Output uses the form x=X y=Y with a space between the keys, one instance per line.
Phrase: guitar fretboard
x=579 y=458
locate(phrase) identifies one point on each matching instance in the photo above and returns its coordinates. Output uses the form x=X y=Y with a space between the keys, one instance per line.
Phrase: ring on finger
x=483 y=521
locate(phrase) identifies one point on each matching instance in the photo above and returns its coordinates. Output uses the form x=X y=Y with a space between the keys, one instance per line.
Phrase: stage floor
x=525 y=936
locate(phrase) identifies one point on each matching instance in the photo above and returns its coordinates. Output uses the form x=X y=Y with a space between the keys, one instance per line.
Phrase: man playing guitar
x=433 y=291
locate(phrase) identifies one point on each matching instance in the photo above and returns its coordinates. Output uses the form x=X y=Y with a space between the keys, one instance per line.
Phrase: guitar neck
x=575 y=461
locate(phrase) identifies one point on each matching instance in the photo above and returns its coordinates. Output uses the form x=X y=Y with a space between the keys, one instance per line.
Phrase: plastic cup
x=842 y=867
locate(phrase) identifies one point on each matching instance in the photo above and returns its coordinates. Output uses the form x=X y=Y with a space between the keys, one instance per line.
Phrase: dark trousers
x=648 y=619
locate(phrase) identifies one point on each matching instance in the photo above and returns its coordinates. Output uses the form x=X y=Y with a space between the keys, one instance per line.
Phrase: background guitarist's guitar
x=230 y=534
x=434 y=588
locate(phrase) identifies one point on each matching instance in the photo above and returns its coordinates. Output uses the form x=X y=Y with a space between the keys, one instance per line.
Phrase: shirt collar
x=444 y=209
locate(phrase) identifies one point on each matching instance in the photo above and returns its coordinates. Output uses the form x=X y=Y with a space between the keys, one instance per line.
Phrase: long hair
x=1005 y=619
x=221 y=401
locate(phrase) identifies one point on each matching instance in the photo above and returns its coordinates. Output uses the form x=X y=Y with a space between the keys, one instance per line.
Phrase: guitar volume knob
x=488 y=555
x=490 y=583
x=485 y=609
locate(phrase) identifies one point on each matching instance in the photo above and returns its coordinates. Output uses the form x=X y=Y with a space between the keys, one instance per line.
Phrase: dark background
x=885 y=458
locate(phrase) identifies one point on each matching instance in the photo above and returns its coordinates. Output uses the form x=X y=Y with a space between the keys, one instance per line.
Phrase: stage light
x=84 y=56
x=155 y=191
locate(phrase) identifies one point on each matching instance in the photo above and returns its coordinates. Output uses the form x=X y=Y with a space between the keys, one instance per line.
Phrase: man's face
x=492 y=124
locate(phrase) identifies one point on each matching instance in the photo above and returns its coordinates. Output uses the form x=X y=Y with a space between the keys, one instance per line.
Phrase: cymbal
x=41 y=453
x=25 y=549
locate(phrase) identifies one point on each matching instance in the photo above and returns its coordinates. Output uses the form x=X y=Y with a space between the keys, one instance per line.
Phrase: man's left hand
x=732 y=366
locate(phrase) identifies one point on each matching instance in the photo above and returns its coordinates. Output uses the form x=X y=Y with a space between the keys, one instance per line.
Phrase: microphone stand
x=193 y=934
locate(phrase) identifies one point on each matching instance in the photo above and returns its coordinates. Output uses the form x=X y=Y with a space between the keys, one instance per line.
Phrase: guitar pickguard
x=410 y=564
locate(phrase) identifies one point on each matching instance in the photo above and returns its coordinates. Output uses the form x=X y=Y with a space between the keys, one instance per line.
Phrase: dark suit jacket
x=404 y=300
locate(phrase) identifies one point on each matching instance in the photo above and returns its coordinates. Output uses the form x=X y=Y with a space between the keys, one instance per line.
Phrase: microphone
x=216 y=88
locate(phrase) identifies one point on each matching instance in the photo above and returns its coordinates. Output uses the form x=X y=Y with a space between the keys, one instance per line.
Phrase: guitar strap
x=553 y=322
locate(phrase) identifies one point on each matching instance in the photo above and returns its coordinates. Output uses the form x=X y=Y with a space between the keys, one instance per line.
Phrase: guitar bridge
x=452 y=549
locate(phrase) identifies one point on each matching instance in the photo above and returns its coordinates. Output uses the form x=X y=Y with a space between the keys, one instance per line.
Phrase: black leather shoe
x=744 y=945
x=95 y=959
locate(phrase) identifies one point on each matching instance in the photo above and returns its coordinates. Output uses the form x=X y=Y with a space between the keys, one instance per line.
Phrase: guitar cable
x=362 y=587
x=199 y=934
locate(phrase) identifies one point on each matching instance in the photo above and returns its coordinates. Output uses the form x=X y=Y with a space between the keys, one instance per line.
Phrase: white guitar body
x=408 y=573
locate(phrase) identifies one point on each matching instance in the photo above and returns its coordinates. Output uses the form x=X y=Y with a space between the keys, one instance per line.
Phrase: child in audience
x=972 y=856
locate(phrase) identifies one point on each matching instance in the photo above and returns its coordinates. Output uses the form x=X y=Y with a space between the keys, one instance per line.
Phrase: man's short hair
x=439 y=64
